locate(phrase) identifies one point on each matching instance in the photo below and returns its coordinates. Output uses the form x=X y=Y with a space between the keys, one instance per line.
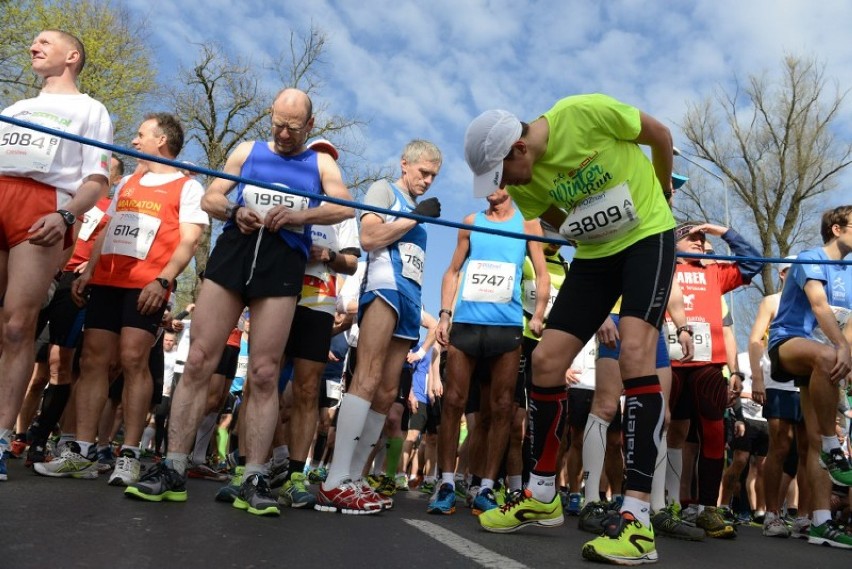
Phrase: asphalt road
x=64 y=523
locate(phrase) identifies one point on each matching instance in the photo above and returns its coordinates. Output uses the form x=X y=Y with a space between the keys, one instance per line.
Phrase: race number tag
x=26 y=150
x=322 y=236
x=841 y=315
x=242 y=366
x=489 y=281
x=413 y=258
x=701 y=341
x=529 y=298
x=332 y=389
x=131 y=234
x=602 y=217
x=90 y=222
x=262 y=200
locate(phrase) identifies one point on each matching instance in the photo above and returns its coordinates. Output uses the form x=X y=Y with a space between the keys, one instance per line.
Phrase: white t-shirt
x=190 y=196
x=751 y=410
x=52 y=160
x=585 y=364
x=350 y=292
x=169 y=361
x=183 y=347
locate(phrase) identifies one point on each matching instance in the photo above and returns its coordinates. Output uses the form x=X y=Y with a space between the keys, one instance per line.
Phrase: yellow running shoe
x=520 y=510
x=625 y=541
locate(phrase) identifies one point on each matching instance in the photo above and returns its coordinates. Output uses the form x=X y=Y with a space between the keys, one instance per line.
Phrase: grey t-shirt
x=381 y=194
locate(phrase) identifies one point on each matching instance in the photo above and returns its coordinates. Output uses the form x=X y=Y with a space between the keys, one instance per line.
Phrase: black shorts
x=755 y=441
x=580 y=405
x=784 y=405
x=405 y=379
x=777 y=370
x=641 y=274
x=269 y=269
x=63 y=317
x=156 y=365
x=480 y=341
x=310 y=337
x=228 y=362
x=230 y=404
x=524 y=384
x=427 y=419
x=111 y=308
x=481 y=374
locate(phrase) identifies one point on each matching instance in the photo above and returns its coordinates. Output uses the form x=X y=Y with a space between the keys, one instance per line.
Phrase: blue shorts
x=407 y=312
x=782 y=404
x=662 y=348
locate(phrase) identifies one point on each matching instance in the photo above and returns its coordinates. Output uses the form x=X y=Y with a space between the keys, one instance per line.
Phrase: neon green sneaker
x=625 y=541
x=520 y=510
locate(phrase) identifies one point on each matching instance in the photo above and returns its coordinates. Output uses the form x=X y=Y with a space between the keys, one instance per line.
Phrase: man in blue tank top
x=485 y=277
x=389 y=316
x=258 y=261
x=809 y=345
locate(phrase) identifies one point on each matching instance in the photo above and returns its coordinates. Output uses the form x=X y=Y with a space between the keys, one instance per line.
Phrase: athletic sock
x=547 y=412
x=658 y=489
x=178 y=461
x=52 y=406
x=202 y=438
x=350 y=422
x=674 y=471
x=830 y=443
x=644 y=413
x=370 y=434
x=594 y=454
x=640 y=509
x=222 y=442
x=394 y=450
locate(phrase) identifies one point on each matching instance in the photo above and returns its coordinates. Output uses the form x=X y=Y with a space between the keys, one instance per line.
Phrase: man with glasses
x=259 y=261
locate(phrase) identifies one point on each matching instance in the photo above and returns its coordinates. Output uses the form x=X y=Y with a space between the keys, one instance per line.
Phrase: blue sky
x=425 y=69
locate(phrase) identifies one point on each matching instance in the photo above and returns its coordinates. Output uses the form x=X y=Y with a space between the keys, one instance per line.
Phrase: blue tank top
x=795 y=317
x=399 y=266
x=490 y=293
x=298 y=172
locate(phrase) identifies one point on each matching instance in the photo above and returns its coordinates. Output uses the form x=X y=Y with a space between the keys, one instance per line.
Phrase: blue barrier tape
x=356 y=205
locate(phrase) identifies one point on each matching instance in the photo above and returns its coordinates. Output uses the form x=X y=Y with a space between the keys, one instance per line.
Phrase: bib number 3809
x=602 y=217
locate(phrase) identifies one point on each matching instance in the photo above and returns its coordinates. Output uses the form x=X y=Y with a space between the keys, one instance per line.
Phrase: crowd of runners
x=306 y=373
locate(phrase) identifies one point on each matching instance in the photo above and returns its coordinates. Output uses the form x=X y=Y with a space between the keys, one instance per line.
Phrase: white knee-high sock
x=373 y=427
x=350 y=422
x=658 y=486
x=674 y=470
x=594 y=452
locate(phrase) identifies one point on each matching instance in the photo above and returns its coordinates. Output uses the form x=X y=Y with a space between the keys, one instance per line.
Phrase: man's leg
x=458 y=372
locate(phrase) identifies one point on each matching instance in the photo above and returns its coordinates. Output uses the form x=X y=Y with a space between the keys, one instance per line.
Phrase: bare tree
x=773 y=146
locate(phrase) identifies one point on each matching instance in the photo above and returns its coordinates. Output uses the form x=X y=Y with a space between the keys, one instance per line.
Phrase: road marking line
x=471 y=550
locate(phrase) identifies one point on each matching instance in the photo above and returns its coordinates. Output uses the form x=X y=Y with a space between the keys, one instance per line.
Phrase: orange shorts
x=22 y=203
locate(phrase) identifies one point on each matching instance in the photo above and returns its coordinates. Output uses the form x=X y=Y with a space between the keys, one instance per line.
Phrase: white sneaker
x=801 y=528
x=70 y=464
x=127 y=470
x=774 y=526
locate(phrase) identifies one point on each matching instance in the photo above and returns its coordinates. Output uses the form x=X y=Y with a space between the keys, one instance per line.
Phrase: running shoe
x=205 y=472
x=401 y=483
x=728 y=515
x=4 y=475
x=461 y=488
x=625 y=541
x=444 y=500
x=470 y=495
x=36 y=453
x=17 y=448
x=256 y=497
x=774 y=526
x=106 y=459
x=522 y=510
x=369 y=493
x=159 y=483
x=575 y=504
x=127 y=469
x=667 y=523
x=484 y=501
x=713 y=525
x=347 y=499
x=594 y=514
x=689 y=515
x=294 y=493
x=428 y=487
x=801 y=528
x=69 y=464
x=373 y=480
x=830 y=533
x=228 y=492
x=386 y=487
x=317 y=475
x=837 y=465
x=278 y=473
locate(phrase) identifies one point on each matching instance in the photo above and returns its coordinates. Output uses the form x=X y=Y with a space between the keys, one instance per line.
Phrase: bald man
x=259 y=261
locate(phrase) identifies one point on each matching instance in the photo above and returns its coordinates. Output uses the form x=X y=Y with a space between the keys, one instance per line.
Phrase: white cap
x=488 y=140
x=785 y=266
x=323 y=145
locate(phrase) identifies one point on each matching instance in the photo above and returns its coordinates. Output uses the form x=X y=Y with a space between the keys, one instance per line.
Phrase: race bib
x=90 y=222
x=325 y=237
x=529 y=298
x=23 y=149
x=332 y=389
x=262 y=200
x=489 y=281
x=841 y=315
x=602 y=217
x=701 y=340
x=131 y=234
x=242 y=366
x=413 y=258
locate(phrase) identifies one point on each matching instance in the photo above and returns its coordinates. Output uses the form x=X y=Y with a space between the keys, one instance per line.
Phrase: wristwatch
x=231 y=211
x=332 y=255
x=163 y=282
x=446 y=311
x=68 y=217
